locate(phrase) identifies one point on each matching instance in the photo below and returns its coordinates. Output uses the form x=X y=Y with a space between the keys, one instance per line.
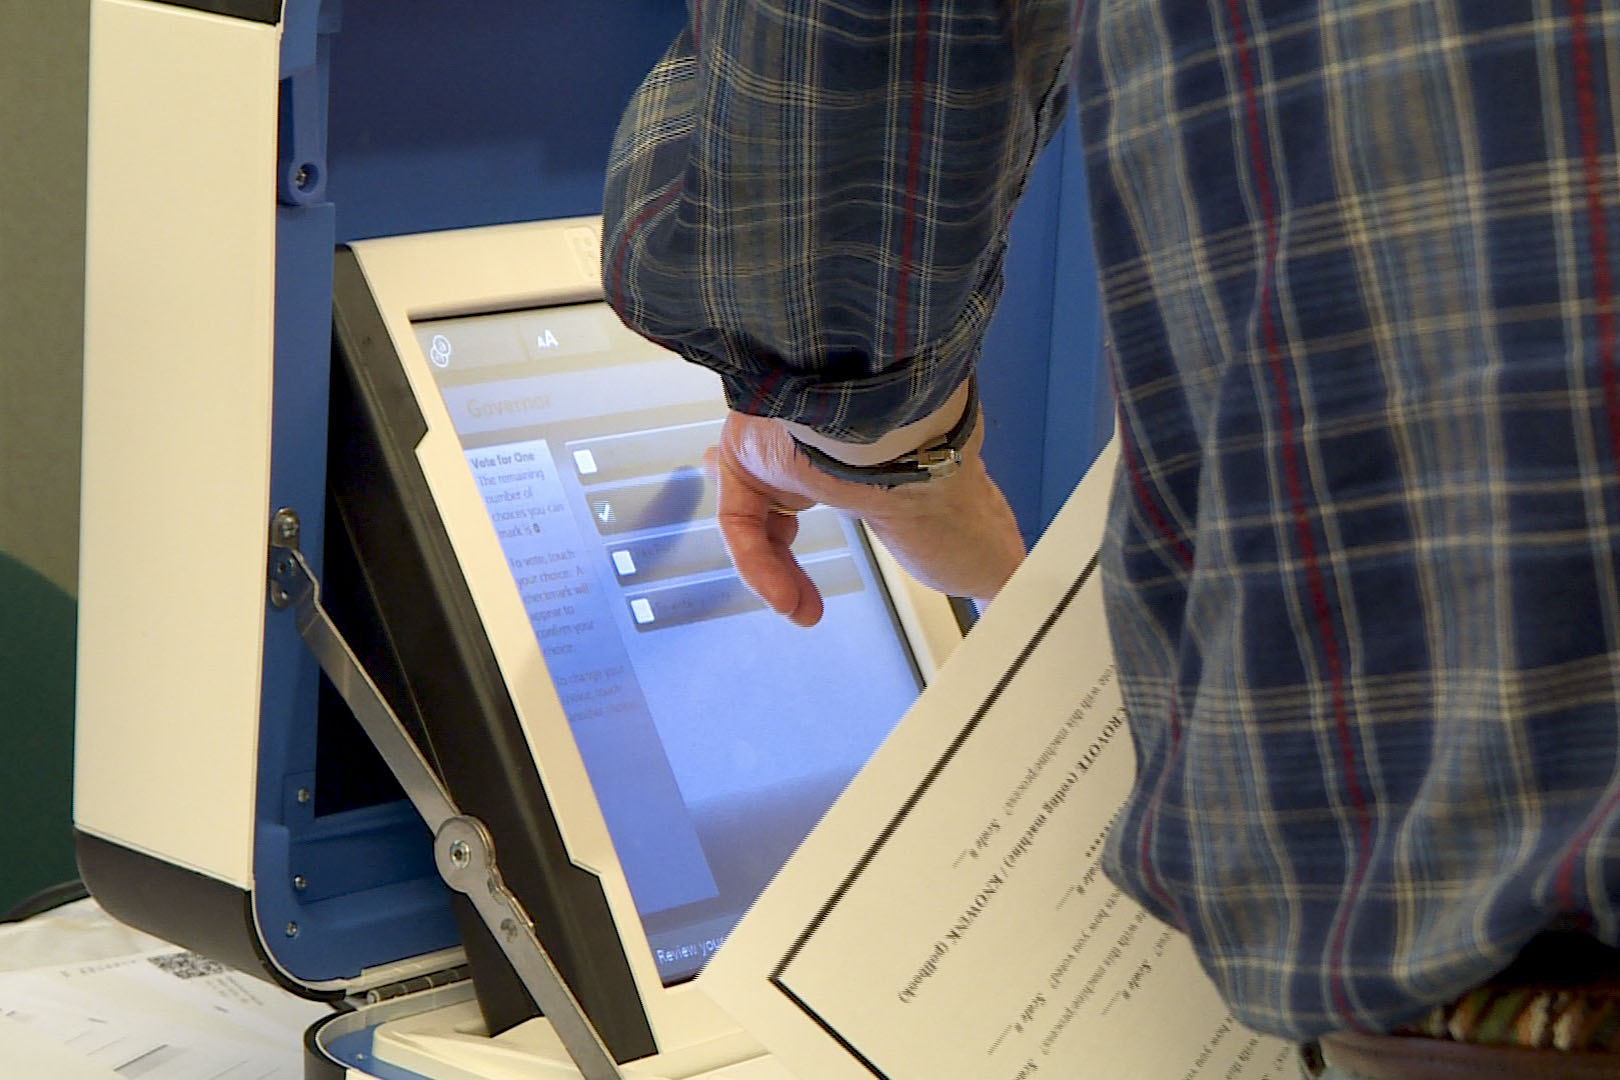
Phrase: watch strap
x=933 y=461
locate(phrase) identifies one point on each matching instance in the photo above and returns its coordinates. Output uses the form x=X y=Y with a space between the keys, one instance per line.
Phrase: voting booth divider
x=389 y=530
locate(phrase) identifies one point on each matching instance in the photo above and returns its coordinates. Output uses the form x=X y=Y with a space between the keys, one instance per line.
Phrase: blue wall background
x=1046 y=395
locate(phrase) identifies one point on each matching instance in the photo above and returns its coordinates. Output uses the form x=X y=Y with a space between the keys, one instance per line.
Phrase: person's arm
x=812 y=200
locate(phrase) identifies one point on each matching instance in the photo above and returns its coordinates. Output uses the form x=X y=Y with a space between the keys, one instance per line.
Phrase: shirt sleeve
x=812 y=198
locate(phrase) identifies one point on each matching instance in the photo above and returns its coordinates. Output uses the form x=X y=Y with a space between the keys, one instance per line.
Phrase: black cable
x=45 y=900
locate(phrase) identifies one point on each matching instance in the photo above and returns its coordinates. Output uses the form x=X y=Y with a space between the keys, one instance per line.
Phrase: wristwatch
x=935 y=461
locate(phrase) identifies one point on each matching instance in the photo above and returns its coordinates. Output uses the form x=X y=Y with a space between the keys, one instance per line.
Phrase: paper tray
x=439 y=1035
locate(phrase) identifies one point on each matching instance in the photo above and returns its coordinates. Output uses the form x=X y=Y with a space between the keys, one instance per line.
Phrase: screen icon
x=439 y=351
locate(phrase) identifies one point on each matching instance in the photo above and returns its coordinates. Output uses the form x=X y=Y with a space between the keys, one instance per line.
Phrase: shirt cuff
x=861 y=408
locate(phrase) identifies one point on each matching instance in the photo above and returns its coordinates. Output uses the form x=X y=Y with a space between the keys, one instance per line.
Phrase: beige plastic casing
x=179 y=337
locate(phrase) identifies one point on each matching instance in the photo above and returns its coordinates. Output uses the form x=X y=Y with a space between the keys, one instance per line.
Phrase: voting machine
x=412 y=672
x=522 y=565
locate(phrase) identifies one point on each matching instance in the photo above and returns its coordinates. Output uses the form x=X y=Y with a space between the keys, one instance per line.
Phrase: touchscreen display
x=715 y=733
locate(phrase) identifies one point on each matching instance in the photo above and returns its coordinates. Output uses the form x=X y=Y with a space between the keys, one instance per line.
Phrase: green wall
x=43 y=70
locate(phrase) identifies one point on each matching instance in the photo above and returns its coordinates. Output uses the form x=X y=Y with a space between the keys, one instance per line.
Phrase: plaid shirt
x=1362 y=564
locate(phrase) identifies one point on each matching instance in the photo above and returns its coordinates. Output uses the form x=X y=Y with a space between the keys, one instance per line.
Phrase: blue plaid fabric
x=1357 y=262
x=812 y=198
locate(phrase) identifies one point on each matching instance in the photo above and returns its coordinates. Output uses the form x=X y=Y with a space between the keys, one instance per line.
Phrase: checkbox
x=585 y=462
x=623 y=563
x=642 y=609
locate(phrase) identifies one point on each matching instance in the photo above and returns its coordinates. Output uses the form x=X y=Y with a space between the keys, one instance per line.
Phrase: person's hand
x=955 y=534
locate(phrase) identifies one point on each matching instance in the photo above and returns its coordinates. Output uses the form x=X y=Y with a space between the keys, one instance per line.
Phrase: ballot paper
x=948 y=918
x=27 y=1053
x=162 y=1013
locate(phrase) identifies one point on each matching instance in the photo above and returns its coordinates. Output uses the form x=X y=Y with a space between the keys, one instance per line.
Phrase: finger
x=758 y=541
x=782 y=524
x=782 y=528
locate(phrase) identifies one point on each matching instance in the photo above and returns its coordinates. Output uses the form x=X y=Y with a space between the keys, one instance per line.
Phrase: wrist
x=901 y=440
x=933 y=448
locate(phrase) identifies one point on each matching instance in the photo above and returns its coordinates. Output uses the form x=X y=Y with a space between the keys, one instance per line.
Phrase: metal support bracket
x=306 y=32
x=462 y=848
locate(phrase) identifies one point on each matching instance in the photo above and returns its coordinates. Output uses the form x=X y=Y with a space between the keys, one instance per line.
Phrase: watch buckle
x=939 y=462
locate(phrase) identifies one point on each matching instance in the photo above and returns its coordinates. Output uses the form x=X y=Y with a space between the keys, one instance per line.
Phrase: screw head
x=287 y=526
x=300 y=883
x=508 y=928
x=460 y=854
x=292 y=929
x=304 y=795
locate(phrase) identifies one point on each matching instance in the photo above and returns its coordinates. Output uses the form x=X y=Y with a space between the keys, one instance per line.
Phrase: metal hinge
x=414 y=985
x=463 y=850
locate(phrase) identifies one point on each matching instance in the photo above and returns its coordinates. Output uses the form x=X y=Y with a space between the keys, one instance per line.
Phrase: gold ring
x=785 y=511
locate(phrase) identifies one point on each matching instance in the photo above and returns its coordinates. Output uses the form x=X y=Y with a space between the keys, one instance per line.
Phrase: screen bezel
x=602 y=384
x=518 y=267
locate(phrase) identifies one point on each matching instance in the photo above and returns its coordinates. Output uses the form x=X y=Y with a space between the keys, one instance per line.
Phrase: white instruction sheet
x=948 y=918
x=157 y=1012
